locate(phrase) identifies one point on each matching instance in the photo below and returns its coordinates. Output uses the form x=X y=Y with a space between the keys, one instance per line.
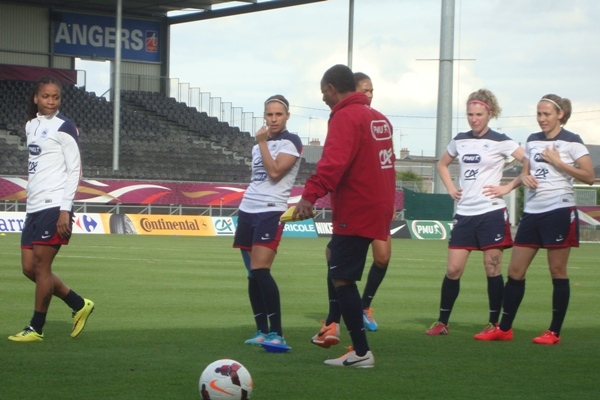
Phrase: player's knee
x=381 y=258
x=492 y=269
x=381 y=263
x=453 y=272
x=29 y=273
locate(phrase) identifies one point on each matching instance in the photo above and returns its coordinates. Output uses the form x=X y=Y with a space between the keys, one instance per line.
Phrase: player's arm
x=340 y=149
x=444 y=173
x=278 y=166
x=500 y=190
x=72 y=158
x=275 y=167
x=526 y=178
x=584 y=172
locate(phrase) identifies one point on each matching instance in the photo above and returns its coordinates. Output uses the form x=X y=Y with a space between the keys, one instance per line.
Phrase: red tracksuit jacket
x=357 y=168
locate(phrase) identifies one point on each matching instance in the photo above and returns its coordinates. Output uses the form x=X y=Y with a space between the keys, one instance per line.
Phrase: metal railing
x=171 y=209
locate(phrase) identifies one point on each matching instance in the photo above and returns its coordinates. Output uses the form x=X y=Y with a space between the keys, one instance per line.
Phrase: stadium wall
x=25 y=38
x=198 y=225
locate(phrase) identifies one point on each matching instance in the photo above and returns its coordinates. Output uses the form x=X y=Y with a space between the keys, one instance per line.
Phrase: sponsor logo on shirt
x=34 y=149
x=259 y=176
x=471 y=174
x=385 y=158
x=381 y=130
x=471 y=158
x=541 y=173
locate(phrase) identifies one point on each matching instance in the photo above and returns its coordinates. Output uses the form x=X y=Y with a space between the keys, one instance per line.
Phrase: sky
x=518 y=49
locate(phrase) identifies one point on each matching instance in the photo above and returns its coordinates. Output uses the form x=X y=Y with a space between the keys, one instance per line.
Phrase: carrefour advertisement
x=12 y=222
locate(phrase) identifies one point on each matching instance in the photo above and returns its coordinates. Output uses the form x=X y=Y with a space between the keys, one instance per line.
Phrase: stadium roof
x=198 y=9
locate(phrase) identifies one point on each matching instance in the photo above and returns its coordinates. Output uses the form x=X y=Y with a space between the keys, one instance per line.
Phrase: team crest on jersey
x=538 y=158
x=44 y=134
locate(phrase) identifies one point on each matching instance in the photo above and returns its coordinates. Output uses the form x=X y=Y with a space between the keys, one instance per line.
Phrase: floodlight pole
x=444 y=107
x=350 y=32
x=117 y=88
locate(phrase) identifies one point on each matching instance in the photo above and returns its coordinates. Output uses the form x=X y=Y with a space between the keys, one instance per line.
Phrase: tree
x=408 y=176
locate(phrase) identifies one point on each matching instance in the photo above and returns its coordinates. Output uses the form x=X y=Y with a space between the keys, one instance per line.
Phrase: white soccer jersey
x=54 y=162
x=555 y=188
x=481 y=161
x=263 y=194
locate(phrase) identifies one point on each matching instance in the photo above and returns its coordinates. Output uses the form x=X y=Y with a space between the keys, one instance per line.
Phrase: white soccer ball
x=225 y=380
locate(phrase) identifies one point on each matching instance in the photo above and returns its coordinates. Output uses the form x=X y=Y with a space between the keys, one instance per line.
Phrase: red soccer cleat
x=547 y=337
x=495 y=334
x=438 y=328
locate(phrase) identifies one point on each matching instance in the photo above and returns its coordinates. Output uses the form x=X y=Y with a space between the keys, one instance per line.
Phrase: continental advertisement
x=169 y=225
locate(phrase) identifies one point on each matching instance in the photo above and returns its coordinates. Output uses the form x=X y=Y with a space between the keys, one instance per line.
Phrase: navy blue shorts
x=258 y=229
x=481 y=232
x=348 y=256
x=552 y=229
x=40 y=229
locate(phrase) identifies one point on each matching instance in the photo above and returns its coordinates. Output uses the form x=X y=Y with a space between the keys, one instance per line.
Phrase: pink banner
x=158 y=193
x=592 y=212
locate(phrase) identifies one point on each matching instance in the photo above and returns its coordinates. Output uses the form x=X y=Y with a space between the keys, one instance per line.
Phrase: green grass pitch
x=168 y=306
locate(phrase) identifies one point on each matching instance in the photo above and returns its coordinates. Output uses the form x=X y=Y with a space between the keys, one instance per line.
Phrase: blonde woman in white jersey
x=555 y=158
x=481 y=220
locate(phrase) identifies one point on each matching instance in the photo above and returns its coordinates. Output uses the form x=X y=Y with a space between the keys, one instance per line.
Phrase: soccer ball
x=225 y=380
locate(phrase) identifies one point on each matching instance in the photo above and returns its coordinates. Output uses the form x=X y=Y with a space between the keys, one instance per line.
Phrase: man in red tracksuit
x=357 y=168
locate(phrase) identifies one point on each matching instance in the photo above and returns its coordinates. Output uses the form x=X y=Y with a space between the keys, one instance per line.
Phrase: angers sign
x=93 y=36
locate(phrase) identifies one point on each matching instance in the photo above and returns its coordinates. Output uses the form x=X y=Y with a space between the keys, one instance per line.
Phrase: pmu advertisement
x=429 y=229
x=95 y=36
